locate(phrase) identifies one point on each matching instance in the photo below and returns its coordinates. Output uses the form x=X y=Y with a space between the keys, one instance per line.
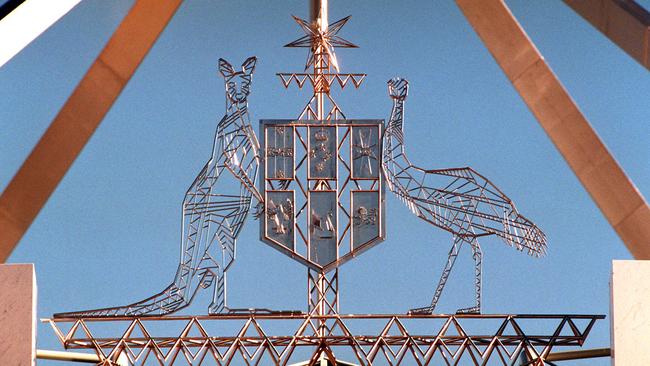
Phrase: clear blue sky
x=110 y=233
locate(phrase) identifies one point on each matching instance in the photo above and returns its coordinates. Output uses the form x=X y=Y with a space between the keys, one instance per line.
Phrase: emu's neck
x=397 y=115
x=394 y=141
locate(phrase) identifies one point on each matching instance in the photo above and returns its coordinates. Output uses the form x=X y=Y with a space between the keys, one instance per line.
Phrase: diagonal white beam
x=81 y=114
x=31 y=18
x=615 y=194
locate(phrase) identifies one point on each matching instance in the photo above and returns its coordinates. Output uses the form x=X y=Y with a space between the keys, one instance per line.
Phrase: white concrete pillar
x=630 y=313
x=17 y=314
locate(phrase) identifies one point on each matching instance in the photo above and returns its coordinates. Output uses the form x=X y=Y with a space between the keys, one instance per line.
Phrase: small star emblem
x=315 y=37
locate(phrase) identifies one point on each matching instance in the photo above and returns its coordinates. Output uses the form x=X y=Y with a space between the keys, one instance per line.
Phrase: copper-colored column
x=624 y=22
x=318 y=10
x=614 y=193
x=71 y=129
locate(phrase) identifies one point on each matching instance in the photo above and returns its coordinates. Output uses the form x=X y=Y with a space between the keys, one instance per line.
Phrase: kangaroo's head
x=398 y=88
x=237 y=82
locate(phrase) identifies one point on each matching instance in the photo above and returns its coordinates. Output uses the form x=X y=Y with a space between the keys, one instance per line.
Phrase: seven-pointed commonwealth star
x=315 y=37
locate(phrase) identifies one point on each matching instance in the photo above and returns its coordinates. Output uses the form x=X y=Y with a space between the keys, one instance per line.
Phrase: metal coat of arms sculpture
x=320 y=197
x=318 y=184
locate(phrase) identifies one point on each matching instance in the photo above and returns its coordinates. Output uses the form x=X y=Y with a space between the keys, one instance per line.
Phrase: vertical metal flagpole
x=318 y=19
x=321 y=70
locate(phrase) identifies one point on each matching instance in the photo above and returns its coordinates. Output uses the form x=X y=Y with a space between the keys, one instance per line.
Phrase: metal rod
x=297 y=316
x=44 y=354
x=318 y=10
x=66 y=356
x=318 y=18
x=580 y=354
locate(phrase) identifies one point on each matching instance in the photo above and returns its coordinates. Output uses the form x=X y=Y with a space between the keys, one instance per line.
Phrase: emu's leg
x=451 y=259
x=477 y=255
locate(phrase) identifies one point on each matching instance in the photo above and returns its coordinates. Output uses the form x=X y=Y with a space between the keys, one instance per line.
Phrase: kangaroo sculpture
x=214 y=209
x=458 y=200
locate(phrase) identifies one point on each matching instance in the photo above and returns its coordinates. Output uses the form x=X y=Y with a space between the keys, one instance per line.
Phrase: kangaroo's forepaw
x=259 y=211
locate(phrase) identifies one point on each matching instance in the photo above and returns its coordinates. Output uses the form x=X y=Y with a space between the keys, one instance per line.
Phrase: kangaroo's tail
x=169 y=300
x=523 y=234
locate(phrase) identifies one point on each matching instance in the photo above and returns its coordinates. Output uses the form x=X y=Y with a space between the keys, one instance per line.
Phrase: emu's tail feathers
x=523 y=234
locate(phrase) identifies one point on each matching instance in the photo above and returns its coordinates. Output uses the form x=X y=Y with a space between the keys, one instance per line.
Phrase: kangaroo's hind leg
x=215 y=259
x=218 y=303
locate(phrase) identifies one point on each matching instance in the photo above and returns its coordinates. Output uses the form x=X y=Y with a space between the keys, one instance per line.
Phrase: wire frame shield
x=334 y=164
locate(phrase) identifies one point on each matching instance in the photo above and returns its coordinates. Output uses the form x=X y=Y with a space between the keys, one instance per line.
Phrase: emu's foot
x=472 y=310
x=427 y=310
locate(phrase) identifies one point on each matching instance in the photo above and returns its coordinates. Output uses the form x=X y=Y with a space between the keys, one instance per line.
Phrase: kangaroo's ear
x=249 y=65
x=225 y=68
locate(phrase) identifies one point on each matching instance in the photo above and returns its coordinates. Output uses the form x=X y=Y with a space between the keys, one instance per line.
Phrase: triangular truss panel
x=284 y=339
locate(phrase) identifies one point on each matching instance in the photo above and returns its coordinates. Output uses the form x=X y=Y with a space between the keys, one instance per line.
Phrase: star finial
x=314 y=37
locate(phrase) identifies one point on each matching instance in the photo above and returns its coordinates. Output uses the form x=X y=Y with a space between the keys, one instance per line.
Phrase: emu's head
x=237 y=82
x=398 y=88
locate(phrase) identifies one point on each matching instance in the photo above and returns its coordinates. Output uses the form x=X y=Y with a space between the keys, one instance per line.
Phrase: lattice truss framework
x=360 y=339
x=458 y=200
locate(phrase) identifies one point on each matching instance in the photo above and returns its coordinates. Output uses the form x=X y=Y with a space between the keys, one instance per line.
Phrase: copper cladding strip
x=624 y=22
x=615 y=194
x=82 y=113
